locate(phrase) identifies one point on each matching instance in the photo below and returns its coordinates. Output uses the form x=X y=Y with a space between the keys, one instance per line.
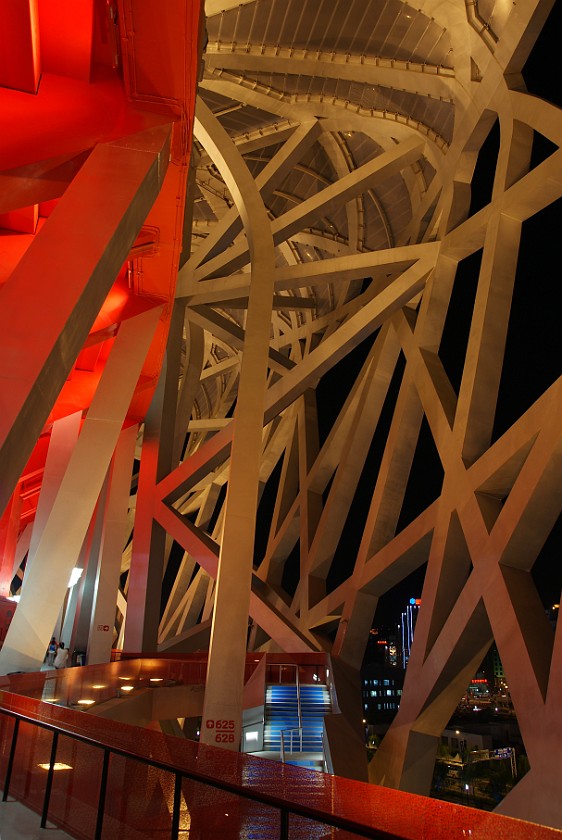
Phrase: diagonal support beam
x=373 y=264
x=37 y=182
x=232 y=334
x=369 y=175
x=40 y=341
x=268 y=180
x=267 y=609
x=305 y=375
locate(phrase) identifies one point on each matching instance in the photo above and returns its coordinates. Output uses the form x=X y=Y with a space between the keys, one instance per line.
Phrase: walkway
x=19 y=823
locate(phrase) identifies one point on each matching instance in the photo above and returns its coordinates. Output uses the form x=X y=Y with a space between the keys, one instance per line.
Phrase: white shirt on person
x=61 y=657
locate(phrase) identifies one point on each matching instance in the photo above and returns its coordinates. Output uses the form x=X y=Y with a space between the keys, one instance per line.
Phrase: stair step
x=282 y=719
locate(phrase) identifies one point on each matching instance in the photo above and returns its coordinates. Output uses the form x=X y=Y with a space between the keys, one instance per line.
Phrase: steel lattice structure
x=330 y=204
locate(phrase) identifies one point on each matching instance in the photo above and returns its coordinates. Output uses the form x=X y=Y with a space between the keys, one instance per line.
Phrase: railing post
x=283 y=824
x=11 y=760
x=101 y=799
x=298 y=687
x=176 y=811
x=49 y=784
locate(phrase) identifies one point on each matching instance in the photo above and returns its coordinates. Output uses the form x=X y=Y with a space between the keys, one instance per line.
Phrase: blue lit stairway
x=281 y=713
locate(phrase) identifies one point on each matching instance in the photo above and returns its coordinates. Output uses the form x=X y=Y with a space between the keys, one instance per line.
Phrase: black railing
x=188 y=769
x=286 y=810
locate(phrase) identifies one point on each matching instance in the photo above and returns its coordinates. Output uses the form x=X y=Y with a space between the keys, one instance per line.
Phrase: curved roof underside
x=373 y=74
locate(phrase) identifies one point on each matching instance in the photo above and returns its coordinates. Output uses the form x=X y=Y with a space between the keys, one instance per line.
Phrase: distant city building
x=490 y=673
x=394 y=658
x=382 y=677
x=409 y=618
x=497 y=667
x=479 y=687
x=457 y=740
x=387 y=655
x=382 y=691
x=385 y=647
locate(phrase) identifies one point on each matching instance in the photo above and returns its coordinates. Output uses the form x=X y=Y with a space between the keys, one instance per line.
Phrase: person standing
x=61 y=656
x=51 y=651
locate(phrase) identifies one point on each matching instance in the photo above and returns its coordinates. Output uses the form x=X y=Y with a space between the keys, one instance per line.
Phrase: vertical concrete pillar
x=149 y=538
x=149 y=541
x=109 y=567
x=64 y=533
x=92 y=552
x=68 y=614
x=22 y=548
x=65 y=622
x=64 y=435
x=222 y=713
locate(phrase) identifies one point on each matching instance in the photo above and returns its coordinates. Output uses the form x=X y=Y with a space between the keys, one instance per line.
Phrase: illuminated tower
x=409 y=618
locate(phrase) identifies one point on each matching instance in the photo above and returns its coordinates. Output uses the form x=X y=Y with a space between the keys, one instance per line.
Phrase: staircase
x=281 y=715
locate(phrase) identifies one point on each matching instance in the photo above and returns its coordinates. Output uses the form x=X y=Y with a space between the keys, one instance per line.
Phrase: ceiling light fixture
x=58 y=765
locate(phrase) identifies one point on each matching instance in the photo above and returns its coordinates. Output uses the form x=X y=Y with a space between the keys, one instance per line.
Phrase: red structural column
x=20 y=66
x=9 y=524
x=147 y=561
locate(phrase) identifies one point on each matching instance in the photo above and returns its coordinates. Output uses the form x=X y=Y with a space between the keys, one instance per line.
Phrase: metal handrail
x=298 y=728
x=289 y=777
x=285 y=809
x=283 y=731
x=299 y=710
x=298 y=685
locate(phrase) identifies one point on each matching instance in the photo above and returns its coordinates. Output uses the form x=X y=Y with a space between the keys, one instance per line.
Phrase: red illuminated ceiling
x=66 y=85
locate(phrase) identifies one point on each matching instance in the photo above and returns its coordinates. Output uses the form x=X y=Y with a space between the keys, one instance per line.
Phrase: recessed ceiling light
x=58 y=765
x=85 y=702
